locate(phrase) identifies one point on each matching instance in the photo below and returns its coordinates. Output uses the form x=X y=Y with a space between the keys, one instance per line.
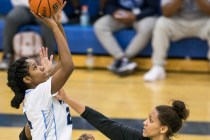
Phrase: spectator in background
x=101 y=12
x=102 y=6
x=139 y=14
x=73 y=11
x=181 y=19
x=18 y=16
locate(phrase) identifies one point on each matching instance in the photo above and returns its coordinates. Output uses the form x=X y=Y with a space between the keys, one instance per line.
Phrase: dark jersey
x=113 y=130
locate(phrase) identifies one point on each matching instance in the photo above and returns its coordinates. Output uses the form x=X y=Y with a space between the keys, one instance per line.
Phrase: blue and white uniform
x=49 y=118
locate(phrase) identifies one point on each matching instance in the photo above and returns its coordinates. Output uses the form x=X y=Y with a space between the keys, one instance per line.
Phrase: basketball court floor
x=128 y=100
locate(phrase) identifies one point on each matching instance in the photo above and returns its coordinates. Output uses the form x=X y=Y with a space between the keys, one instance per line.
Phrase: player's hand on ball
x=49 y=21
x=57 y=16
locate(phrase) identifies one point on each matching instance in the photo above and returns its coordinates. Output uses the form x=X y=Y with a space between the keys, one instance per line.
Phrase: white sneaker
x=155 y=73
x=4 y=65
x=127 y=66
x=115 y=65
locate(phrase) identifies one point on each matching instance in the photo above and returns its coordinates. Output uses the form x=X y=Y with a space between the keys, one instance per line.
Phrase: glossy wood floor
x=128 y=97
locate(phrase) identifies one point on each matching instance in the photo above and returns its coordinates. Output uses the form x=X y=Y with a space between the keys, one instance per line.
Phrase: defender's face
x=152 y=125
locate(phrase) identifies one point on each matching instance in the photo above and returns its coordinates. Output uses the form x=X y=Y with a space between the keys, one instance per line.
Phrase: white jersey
x=48 y=118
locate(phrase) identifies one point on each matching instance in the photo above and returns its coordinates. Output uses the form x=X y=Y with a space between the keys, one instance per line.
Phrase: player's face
x=36 y=73
x=152 y=125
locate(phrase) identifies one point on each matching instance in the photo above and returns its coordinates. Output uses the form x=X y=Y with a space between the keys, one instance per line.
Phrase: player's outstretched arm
x=67 y=66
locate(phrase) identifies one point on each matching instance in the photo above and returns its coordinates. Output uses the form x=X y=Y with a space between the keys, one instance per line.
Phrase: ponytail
x=181 y=109
x=16 y=72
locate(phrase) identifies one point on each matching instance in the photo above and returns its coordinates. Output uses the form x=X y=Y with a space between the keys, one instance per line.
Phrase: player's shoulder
x=44 y=84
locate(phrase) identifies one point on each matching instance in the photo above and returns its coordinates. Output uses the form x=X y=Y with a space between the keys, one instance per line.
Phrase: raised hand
x=47 y=63
x=49 y=21
x=125 y=17
x=57 y=17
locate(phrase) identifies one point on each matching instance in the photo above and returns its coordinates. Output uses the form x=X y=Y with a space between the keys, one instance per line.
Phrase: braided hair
x=15 y=74
x=173 y=116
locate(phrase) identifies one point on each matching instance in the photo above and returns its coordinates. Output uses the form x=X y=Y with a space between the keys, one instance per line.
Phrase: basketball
x=46 y=8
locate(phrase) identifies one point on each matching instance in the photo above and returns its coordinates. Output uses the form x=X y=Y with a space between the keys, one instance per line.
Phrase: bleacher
x=80 y=38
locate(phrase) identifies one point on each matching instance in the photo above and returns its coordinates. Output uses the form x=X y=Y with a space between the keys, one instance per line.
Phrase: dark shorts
x=22 y=135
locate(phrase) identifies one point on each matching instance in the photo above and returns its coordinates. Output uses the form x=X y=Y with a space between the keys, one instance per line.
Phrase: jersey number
x=69 y=121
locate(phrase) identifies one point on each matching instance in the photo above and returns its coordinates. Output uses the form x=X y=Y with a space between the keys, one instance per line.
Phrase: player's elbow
x=70 y=68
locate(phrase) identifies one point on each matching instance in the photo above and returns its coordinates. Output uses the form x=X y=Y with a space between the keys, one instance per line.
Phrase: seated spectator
x=121 y=14
x=18 y=16
x=101 y=12
x=73 y=11
x=102 y=6
x=181 y=19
